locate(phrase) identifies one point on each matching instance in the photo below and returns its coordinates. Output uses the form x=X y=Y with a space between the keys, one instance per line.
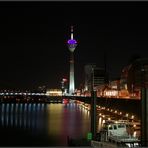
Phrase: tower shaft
x=71 y=76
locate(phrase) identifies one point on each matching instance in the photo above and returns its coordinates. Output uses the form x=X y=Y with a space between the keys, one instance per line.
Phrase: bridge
x=123 y=104
x=21 y=94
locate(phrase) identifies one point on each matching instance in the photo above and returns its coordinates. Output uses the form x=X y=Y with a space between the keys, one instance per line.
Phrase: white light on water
x=134 y=134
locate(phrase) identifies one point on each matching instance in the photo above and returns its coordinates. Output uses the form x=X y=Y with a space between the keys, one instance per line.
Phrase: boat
x=118 y=133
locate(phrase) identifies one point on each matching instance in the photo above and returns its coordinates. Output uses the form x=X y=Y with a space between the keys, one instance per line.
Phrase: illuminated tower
x=72 y=43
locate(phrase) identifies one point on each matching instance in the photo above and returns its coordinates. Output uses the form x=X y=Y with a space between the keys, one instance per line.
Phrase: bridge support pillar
x=93 y=114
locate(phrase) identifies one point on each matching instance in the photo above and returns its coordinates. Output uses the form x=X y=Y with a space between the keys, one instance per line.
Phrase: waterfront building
x=54 y=92
x=134 y=76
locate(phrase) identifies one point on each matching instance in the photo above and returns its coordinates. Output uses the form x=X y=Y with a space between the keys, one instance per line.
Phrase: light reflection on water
x=100 y=124
x=20 y=115
x=38 y=124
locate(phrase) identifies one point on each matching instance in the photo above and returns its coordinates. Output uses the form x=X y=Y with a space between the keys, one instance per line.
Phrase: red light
x=65 y=101
x=64 y=80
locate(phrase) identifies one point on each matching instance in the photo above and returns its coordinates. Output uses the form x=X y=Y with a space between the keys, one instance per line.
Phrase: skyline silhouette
x=33 y=38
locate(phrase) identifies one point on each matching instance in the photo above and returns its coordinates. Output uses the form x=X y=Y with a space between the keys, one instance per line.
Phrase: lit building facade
x=54 y=92
x=132 y=77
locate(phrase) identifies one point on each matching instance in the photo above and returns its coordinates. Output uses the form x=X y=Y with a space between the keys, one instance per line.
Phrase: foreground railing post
x=93 y=114
x=93 y=107
x=144 y=109
x=144 y=117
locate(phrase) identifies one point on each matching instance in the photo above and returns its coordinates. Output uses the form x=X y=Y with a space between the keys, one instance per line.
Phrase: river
x=39 y=124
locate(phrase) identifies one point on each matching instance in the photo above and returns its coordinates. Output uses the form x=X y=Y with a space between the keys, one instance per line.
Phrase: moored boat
x=119 y=133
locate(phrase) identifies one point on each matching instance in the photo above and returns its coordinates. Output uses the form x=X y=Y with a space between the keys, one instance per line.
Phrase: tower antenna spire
x=71 y=32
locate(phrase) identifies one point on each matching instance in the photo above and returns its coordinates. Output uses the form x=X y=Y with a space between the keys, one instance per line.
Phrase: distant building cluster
x=133 y=77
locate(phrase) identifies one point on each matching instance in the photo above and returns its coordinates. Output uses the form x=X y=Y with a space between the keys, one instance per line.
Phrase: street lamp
x=93 y=107
x=144 y=108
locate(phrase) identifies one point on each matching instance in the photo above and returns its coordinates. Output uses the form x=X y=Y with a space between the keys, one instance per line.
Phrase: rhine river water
x=39 y=124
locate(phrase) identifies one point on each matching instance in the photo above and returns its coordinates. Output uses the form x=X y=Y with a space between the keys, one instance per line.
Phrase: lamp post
x=93 y=107
x=144 y=109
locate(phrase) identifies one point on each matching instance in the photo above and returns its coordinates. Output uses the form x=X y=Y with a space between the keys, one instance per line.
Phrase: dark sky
x=33 y=38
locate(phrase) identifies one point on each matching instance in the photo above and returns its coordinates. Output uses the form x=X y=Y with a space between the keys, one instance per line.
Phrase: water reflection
x=99 y=124
x=68 y=120
x=42 y=124
x=22 y=115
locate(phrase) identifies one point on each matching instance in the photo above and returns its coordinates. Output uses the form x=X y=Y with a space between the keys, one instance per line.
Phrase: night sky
x=33 y=36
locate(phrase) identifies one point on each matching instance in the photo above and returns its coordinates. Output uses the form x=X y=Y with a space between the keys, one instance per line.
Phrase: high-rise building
x=88 y=76
x=72 y=43
x=94 y=76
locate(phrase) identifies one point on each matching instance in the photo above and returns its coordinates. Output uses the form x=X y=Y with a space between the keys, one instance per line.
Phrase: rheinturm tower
x=72 y=43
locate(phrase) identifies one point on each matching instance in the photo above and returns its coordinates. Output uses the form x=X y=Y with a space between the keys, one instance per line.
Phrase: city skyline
x=34 y=34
